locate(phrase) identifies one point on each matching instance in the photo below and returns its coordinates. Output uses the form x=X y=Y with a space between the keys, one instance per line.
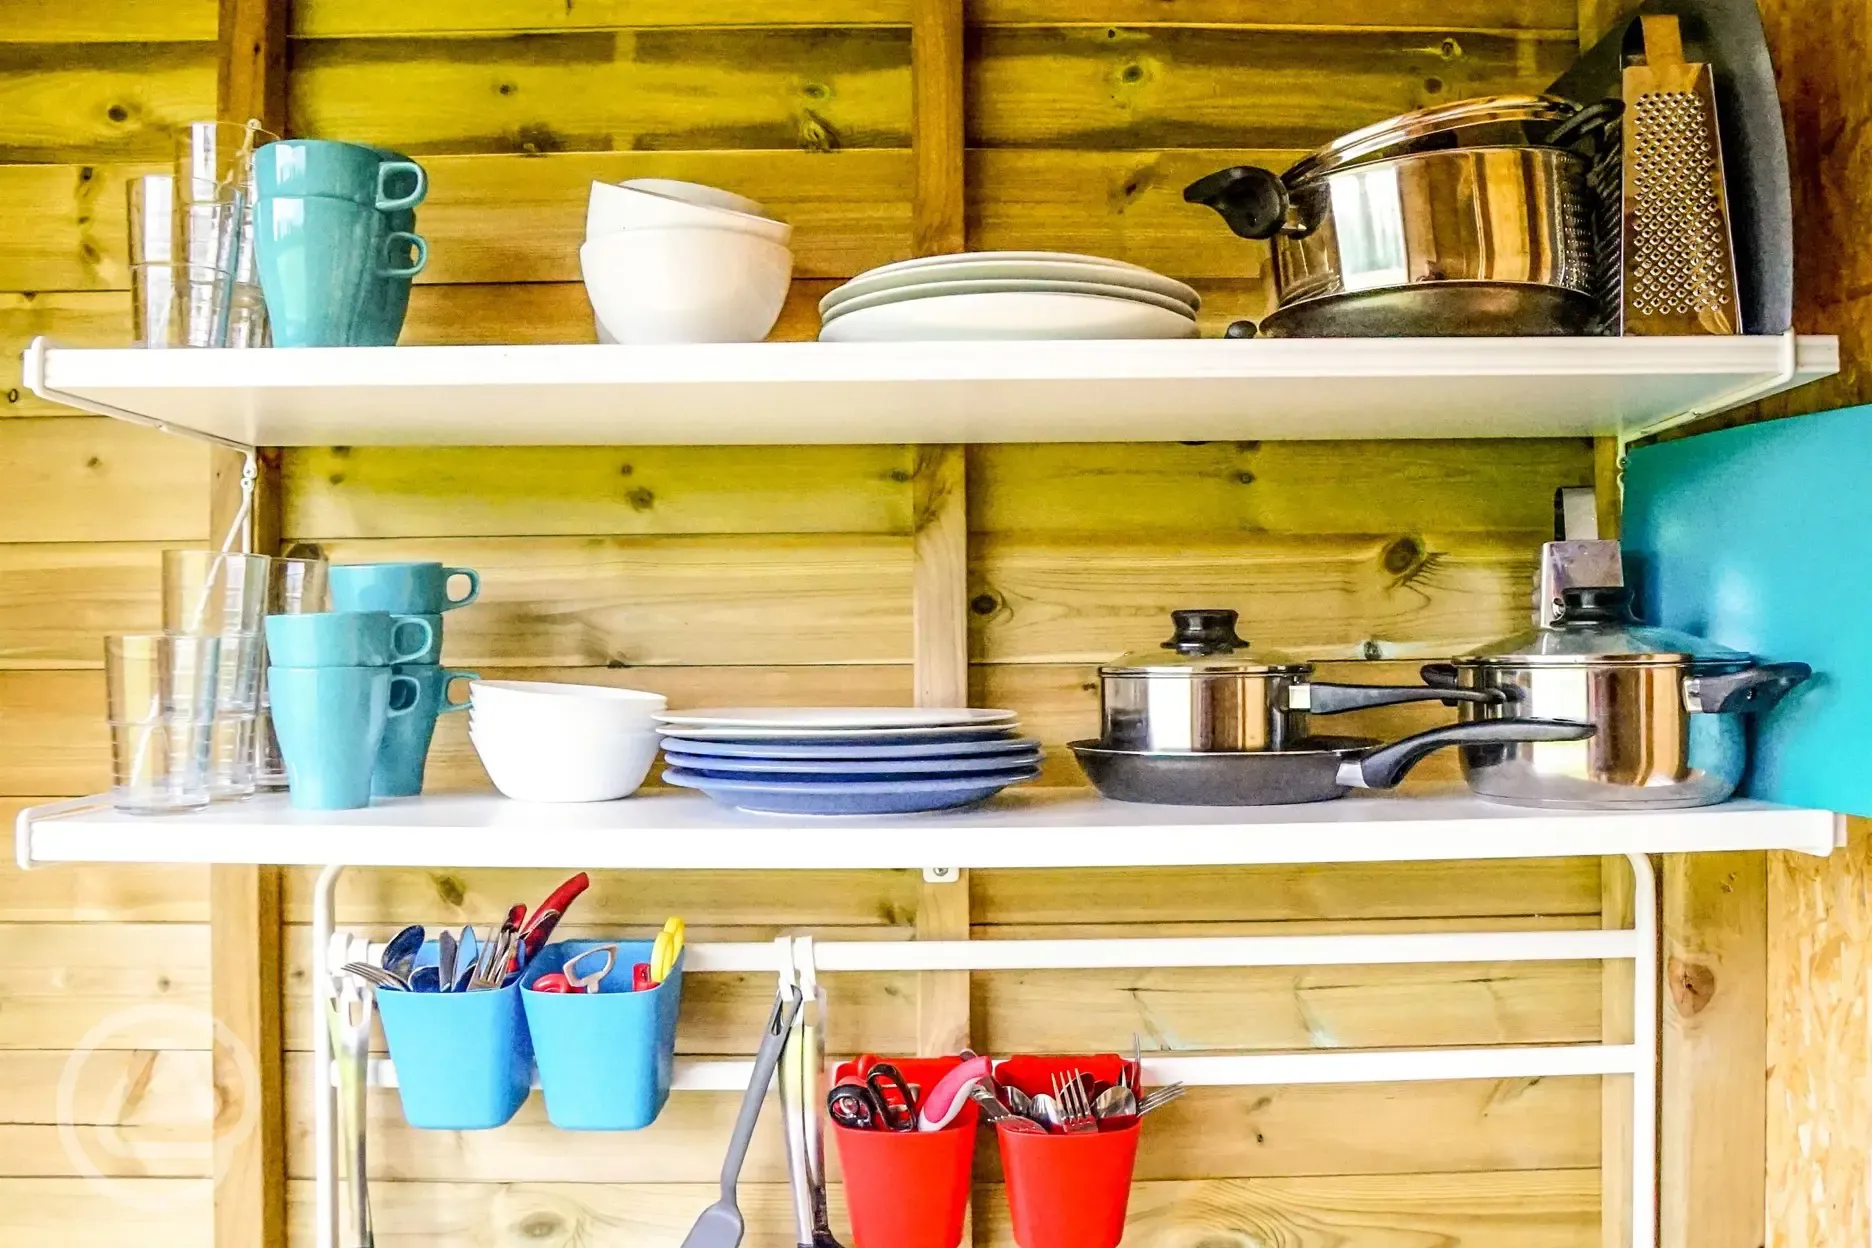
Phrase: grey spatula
x=721 y=1225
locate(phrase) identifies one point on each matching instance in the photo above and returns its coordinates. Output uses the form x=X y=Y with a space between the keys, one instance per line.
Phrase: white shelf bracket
x=32 y=371
x=1744 y=394
x=941 y=875
x=23 y=826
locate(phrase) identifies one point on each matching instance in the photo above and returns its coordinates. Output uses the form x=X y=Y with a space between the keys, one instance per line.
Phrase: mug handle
x=415 y=688
x=474 y=586
x=385 y=203
x=400 y=623
x=449 y=677
x=421 y=246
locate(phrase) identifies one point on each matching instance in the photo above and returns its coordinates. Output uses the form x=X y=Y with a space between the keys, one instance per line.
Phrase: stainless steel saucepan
x=1202 y=690
x=1668 y=707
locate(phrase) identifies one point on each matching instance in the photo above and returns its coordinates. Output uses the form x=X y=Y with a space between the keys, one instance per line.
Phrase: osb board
x=1820 y=1046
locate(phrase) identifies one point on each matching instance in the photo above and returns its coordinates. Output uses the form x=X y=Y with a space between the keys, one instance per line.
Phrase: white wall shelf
x=1033 y=829
x=825 y=393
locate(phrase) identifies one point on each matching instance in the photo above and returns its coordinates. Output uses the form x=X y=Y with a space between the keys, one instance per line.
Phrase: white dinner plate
x=1040 y=272
x=974 y=257
x=934 y=290
x=1012 y=317
x=841 y=718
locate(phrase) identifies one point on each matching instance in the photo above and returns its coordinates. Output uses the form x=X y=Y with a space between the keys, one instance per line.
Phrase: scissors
x=877 y=1100
x=570 y=979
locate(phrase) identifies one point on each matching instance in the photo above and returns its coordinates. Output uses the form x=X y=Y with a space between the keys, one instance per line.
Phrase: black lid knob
x=1207 y=630
x=1595 y=604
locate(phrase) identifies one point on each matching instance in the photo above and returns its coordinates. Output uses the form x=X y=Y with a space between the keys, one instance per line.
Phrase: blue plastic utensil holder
x=605 y=1058
x=463 y=1060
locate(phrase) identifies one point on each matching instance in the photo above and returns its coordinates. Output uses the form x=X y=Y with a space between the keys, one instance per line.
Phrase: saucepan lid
x=1483 y=121
x=1596 y=626
x=1204 y=642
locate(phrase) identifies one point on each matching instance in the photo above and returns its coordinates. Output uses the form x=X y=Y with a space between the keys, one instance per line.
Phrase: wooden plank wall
x=724 y=575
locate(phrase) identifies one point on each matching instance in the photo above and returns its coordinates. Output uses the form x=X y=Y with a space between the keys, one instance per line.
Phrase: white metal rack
x=1017 y=831
x=931 y=392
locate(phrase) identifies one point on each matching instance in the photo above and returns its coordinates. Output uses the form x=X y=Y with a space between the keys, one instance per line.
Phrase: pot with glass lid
x=1668 y=707
x=1203 y=691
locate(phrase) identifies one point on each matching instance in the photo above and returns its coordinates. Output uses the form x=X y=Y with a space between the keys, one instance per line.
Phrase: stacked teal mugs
x=334 y=693
x=419 y=592
x=336 y=242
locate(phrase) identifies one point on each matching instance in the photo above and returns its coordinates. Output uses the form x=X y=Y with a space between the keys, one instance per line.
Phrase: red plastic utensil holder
x=908 y=1189
x=1066 y=1191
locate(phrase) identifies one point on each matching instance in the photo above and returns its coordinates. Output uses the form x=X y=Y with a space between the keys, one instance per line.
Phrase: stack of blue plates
x=847 y=760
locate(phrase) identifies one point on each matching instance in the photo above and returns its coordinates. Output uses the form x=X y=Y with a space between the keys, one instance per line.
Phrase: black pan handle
x=1386 y=766
x=1753 y=691
x=1253 y=201
x=1328 y=699
x=1446 y=677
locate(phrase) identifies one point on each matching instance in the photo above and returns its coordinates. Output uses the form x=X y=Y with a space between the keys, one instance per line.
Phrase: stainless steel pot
x=1467 y=219
x=1668 y=707
x=1201 y=691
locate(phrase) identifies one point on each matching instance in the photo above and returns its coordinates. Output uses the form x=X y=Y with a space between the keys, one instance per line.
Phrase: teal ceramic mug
x=366 y=176
x=317 y=259
x=401 y=254
x=330 y=722
x=433 y=655
x=406 y=738
x=347 y=639
x=407 y=588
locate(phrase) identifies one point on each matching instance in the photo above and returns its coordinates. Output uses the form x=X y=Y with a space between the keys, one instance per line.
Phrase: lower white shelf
x=1018 y=829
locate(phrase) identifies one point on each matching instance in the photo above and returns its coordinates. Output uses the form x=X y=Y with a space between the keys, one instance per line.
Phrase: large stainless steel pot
x=1668 y=707
x=1202 y=691
x=1467 y=219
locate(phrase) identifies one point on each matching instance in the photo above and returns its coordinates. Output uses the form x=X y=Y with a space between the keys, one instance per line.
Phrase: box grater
x=1679 y=259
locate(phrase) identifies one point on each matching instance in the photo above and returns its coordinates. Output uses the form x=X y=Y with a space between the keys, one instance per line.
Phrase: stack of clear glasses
x=209 y=594
x=193 y=279
x=163 y=693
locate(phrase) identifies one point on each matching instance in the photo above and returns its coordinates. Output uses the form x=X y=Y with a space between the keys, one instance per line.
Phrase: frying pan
x=1322 y=769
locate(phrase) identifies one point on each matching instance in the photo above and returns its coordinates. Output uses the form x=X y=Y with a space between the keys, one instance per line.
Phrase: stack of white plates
x=846 y=760
x=1005 y=296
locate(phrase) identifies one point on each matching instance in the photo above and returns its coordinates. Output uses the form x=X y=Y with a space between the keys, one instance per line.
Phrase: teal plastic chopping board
x=1761 y=538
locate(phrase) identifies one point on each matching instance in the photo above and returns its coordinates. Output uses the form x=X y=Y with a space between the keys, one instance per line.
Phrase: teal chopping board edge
x=1761 y=538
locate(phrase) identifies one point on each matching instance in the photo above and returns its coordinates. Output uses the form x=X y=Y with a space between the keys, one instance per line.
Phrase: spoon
x=1116 y=1108
x=1046 y=1112
x=399 y=956
x=446 y=949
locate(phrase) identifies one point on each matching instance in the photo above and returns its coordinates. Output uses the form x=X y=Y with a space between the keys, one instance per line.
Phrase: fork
x=1078 y=1118
x=1157 y=1098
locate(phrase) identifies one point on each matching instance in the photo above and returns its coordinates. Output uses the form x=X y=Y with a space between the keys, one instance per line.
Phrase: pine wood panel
x=1320 y=597
x=622 y=899
x=1534 y=16
x=86 y=478
x=84 y=1213
x=69 y=319
x=62 y=598
x=647 y=90
x=108 y=21
x=100 y=101
x=53 y=737
x=1482 y=1125
x=1110 y=87
x=179 y=1152
x=98 y=893
x=104 y=986
x=338 y=19
x=1529 y=1209
x=107 y=1088
x=369 y=492
x=1173 y=491
x=63 y=227
x=582 y=602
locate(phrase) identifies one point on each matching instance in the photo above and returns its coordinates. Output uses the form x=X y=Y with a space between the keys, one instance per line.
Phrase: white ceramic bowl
x=686 y=285
x=541 y=697
x=565 y=766
x=613 y=209
x=697 y=193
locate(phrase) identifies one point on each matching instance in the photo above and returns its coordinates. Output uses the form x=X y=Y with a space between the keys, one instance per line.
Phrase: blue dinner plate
x=850 y=752
x=833 y=768
x=761 y=738
x=859 y=797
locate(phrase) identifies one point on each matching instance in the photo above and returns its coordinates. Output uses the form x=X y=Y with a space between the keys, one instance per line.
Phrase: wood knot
x=451 y=889
x=1692 y=986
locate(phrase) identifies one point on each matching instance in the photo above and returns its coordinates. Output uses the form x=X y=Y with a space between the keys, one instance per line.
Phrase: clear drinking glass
x=294 y=587
x=210 y=592
x=179 y=305
x=152 y=219
x=162 y=694
x=213 y=156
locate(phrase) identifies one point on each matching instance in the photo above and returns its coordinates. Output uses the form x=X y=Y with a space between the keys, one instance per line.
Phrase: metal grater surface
x=1680 y=233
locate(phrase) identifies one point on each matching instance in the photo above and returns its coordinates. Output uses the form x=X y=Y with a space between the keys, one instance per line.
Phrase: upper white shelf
x=809 y=392
x=1033 y=829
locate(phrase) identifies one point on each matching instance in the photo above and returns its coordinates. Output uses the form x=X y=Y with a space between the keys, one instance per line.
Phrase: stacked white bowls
x=668 y=261
x=563 y=743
